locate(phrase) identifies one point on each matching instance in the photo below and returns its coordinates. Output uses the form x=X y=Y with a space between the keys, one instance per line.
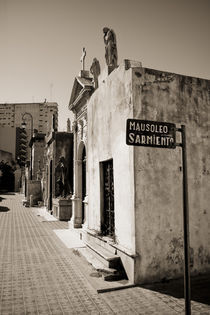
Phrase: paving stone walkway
x=40 y=275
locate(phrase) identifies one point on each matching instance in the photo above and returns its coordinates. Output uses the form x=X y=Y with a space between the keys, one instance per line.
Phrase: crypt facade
x=128 y=199
x=81 y=92
x=58 y=177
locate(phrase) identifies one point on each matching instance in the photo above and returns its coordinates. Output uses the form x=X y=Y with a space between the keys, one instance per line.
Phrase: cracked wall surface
x=162 y=96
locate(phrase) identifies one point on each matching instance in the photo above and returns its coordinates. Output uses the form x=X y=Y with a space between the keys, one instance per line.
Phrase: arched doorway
x=83 y=182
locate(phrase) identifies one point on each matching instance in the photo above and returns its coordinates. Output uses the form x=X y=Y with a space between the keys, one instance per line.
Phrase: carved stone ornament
x=81 y=128
x=74 y=126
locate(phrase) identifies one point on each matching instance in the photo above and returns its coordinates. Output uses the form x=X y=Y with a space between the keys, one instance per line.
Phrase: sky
x=42 y=40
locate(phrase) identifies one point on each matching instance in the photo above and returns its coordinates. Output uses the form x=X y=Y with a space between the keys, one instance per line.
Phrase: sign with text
x=151 y=133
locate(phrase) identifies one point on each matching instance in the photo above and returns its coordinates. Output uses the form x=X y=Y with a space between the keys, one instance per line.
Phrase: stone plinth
x=62 y=209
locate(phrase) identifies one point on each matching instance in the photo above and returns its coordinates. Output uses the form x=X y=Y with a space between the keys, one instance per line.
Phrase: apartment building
x=11 y=115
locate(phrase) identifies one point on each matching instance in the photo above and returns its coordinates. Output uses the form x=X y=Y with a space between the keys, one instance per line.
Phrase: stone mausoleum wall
x=108 y=109
x=168 y=97
x=148 y=181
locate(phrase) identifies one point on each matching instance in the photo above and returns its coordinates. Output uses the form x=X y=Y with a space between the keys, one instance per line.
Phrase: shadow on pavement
x=200 y=288
x=4 y=209
x=1 y=198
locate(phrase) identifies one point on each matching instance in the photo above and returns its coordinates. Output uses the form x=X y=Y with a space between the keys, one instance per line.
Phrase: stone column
x=76 y=219
x=85 y=201
x=81 y=128
x=48 y=185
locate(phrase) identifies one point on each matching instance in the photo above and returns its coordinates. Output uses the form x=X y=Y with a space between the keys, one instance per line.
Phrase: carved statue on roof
x=110 y=48
x=95 y=70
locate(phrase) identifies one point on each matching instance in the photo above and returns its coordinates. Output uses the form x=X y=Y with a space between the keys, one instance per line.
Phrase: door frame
x=102 y=210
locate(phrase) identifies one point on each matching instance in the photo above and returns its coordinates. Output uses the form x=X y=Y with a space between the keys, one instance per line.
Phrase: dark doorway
x=108 y=224
x=83 y=182
x=50 y=194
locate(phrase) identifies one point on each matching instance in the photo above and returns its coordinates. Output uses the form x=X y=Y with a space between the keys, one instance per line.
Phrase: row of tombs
x=127 y=200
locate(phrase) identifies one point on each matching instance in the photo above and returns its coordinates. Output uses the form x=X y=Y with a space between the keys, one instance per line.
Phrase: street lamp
x=24 y=127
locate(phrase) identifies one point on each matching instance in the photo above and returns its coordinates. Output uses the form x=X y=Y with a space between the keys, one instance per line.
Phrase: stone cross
x=83 y=58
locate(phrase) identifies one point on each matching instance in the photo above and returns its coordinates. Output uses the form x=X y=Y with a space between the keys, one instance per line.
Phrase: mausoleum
x=128 y=199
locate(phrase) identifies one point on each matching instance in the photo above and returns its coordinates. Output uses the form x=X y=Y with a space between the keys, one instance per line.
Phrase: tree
x=6 y=176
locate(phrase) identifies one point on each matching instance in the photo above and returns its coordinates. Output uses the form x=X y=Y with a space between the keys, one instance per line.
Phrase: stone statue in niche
x=95 y=70
x=62 y=183
x=110 y=48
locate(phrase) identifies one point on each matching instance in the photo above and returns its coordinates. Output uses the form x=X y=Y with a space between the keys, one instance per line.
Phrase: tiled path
x=37 y=272
x=40 y=275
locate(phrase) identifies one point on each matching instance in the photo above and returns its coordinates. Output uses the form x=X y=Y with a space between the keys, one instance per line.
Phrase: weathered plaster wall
x=172 y=98
x=108 y=109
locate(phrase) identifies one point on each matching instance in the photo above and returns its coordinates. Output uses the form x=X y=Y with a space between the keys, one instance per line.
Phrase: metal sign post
x=185 y=223
x=163 y=135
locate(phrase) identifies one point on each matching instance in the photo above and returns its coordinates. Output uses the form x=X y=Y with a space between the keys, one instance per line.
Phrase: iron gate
x=108 y=226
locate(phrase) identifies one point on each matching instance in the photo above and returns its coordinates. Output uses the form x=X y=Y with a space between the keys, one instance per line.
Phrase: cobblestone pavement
x=39 y=275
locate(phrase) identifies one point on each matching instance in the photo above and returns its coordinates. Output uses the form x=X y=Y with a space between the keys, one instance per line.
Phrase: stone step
x=107 y=274
x=108 y=259
x=101 y=271
x=102 y=241
x=97 y=264
x=114 y=277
